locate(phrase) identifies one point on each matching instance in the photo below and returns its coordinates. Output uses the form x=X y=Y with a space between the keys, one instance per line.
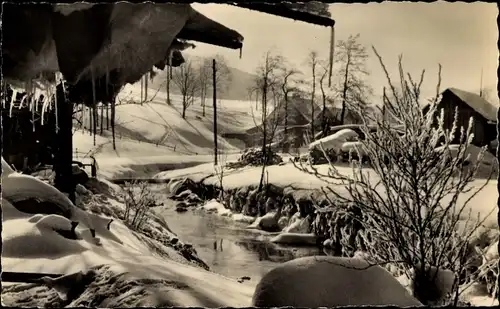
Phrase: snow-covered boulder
x=214 y=205
x=81 y=190
x=327 y=281
x=283 y=222
x=299 y=225
x=298 y=239
x=37 y=238
x=242 y=218
x=268 y=222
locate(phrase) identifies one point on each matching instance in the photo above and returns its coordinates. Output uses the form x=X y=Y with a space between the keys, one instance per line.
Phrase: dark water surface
x=226 y=246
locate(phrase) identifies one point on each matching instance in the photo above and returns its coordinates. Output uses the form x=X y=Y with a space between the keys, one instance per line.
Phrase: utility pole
x=481 y=84
x=214 y=85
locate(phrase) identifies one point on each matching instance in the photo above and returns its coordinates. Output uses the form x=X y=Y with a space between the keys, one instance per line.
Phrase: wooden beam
x=280 y=9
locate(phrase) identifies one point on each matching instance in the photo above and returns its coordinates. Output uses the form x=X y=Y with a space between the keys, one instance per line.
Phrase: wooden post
x=169 y=75
x=102 y=117
x=142 y=88
x=214 y=83
x=64 y=156
x=146 y=77
x=107 y=116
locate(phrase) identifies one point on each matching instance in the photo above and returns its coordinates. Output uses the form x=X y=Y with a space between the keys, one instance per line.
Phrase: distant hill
x=237 y=89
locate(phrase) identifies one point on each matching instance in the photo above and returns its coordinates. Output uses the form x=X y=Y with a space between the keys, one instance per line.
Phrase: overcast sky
x=461 y=36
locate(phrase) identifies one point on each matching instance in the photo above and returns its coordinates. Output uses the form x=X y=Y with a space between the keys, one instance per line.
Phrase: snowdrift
x=46 y=243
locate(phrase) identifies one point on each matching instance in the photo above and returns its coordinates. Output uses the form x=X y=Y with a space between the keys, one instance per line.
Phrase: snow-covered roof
x=479 y=104
x=335 y=140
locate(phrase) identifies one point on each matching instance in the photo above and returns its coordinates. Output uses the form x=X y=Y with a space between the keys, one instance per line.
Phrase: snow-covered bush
x=138 y=199
x=409 y=200
x=317 y=156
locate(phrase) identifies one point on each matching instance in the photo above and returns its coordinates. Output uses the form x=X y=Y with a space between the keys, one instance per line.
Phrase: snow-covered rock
x=242 y=218
x=283 y=222
x=321 y=281
x=268 y=222
x=298 y=239
x=328 y=243
x=82 y=190
x=214 y=205
x=300 y=225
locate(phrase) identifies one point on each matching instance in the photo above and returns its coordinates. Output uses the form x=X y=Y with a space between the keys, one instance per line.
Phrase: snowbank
x=34 y=243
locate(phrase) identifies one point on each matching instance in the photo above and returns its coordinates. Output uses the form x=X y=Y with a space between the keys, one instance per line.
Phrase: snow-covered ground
x=153 y=136
x=30 y=244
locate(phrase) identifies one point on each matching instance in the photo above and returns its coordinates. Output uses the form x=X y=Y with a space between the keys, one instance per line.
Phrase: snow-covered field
x=153 y=136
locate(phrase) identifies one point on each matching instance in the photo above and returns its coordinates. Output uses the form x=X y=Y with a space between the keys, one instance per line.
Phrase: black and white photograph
x=249 y=154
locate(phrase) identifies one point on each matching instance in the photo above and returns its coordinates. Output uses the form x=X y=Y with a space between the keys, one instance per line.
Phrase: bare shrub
x=409 y=198
x=138 y=199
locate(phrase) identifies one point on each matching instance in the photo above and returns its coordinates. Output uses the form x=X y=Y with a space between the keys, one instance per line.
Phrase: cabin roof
x=477 y=103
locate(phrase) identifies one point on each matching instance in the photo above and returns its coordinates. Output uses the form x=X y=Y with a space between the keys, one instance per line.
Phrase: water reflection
x=227 y=247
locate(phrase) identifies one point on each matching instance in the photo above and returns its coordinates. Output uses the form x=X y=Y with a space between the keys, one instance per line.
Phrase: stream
x=226 y=246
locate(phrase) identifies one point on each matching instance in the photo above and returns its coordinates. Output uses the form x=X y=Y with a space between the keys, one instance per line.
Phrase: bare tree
x=406 y=210
x=352 y=57
x=224 y=75
x=204 y=77
x=313 y=61
x=223 y=78
x=186 y=79
x=324 y=98
x=267 y=84
x=288 y=86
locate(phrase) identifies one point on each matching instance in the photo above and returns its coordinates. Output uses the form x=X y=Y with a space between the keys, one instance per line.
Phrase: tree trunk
x=257 y=101
x=344 y=92
x=312 y=99
x=94 y=116
x=264 y=135
x=107 y=116
x=142 y=88
x=285 y=131
x=102 y=117
x=64 y=155
x=204 y=99
x=146 y=77
x=90 y=121
x=214 y=94
x=169 y=76
x=184 y=107
x=323 y=114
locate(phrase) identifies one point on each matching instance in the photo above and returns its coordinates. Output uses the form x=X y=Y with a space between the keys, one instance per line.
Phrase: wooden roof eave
x=280 y=9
